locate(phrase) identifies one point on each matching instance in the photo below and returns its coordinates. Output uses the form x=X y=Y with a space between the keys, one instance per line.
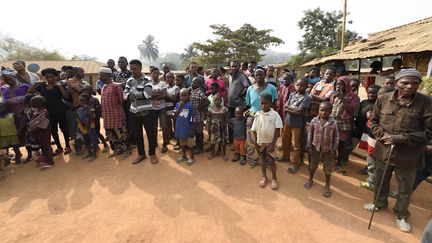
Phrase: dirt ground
x=111 y=200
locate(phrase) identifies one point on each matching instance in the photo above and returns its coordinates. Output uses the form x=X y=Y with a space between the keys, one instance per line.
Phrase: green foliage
x=149 y=49
x=83 y=58
x=426 y=85
x=322 y=34
x=243 y=44
x=19 y=50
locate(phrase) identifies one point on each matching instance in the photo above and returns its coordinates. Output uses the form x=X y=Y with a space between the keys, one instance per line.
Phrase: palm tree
x=190 y=51
x=149 y=49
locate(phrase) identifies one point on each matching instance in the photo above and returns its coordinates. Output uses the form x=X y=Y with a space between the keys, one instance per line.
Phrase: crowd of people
x=247 y=106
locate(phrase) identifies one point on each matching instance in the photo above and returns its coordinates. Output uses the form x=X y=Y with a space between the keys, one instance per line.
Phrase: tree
x=243 y=44
x=322 y=33
x=83 y=58
x=190 y=52
x=149 y=49
x=15 y=49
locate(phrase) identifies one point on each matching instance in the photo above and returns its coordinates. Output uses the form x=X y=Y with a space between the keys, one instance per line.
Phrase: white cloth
x=265 y=124
x=158 y=89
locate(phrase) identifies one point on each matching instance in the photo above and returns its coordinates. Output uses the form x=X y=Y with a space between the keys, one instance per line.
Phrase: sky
x=109 y=29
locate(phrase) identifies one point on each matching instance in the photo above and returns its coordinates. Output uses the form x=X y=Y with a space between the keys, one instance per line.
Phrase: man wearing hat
x=402 y=118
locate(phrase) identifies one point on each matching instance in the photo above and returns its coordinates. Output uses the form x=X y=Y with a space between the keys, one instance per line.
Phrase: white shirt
x=158 y=89
x=265 y=124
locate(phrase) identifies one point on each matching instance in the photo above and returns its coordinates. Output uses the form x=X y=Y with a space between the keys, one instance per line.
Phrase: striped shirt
x=143 y=89
x=323 y=138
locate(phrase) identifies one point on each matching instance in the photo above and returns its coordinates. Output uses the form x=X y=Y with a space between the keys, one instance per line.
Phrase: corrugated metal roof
x=410 y=38
x=90 y=67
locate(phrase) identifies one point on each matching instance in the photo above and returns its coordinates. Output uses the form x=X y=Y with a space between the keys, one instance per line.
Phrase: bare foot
x=327 y=192
x=308 y=185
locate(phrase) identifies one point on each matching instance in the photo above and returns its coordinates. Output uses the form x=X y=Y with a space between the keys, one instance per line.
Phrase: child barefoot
x=41 y=131
x=264 y=133
x=218 y=127
x=322 y=144
x=8 y=132
x=86 y=126
x=184 y=131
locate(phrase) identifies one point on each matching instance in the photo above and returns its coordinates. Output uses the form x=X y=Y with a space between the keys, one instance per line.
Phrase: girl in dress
x=218 y=128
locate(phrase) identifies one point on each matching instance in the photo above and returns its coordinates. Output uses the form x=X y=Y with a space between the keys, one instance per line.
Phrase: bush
x=426 y=85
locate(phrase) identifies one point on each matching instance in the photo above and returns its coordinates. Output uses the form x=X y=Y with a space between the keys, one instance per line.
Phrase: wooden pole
x=344 y=26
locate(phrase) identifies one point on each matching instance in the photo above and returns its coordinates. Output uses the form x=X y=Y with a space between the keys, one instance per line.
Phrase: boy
x=390 y=81
x=200 y=105
x=295 y=109
x=183 y=114
x=238 y=124
x=95 y=104
x=264 y=133
x=86 y=126
x=322 y=144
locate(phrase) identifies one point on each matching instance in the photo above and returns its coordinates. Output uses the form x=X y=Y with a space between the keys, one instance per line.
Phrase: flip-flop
x=263 y=182
x=293 y=169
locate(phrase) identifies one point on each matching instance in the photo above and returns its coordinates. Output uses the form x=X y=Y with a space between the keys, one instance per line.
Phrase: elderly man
x=138 y=91
x=113 y=114
x=22 y=75
x=401 y=118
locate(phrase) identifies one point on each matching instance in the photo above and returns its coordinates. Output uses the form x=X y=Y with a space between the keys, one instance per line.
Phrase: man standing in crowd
x=111 y=65
x=238 y=84
x=22 y=75
x=193 y=72
x=165 y=70
x=75 y=87
x=402 y=118
x=124 y=74
x=138 y=91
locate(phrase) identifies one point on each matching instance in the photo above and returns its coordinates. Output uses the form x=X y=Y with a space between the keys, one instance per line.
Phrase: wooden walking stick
x=379 y=188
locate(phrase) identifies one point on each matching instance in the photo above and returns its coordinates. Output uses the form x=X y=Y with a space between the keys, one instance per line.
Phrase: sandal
x=57 y=152
x=225 y=157
x=181 y=159
x=327 y=192
x=293 y=169
x=274 y=185
x=370 y=207
x=210 y=157
x=67 y=151
x=403 y=225
x=367 y=185
x=105 y=149
x=340 y=170
x=263 y=182
x=190 y=162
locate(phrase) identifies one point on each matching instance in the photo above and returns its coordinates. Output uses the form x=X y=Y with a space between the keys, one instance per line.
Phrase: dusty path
x=211 y=201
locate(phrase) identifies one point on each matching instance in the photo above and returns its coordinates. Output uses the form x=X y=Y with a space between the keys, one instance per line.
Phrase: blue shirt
x=184 y=120
x=99 y=84
x=253 y=97
x=314 y=80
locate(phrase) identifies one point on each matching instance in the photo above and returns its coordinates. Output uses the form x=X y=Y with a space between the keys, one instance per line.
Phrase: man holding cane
x=403 y=119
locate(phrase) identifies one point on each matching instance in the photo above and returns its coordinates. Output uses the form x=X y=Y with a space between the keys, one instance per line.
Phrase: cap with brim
x=408 y=73
x=7 y=72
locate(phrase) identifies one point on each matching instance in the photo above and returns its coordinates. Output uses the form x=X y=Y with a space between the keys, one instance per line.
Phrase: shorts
x=316 y=157
x=190 y=142
x=240 y=146
x=265 y=155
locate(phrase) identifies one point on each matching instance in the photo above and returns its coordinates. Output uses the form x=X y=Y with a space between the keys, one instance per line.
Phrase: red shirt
x=112 y=106
x=222 y=88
